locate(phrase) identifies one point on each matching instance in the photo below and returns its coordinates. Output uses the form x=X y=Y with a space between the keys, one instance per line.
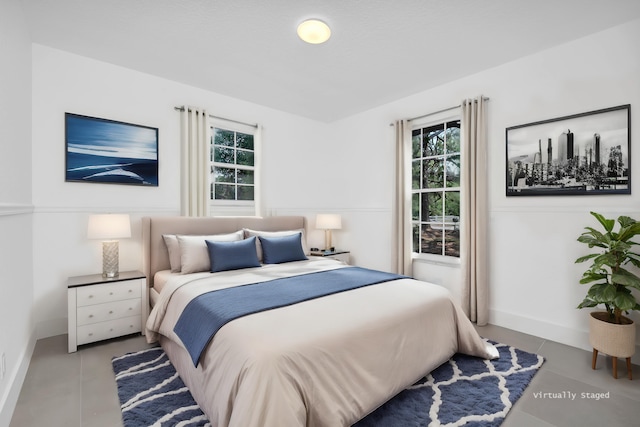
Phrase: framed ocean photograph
x=110 y=152
x=581 y=154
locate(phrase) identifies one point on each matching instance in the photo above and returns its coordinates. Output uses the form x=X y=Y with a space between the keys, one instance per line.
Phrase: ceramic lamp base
x=110 y=257
x=327 y=240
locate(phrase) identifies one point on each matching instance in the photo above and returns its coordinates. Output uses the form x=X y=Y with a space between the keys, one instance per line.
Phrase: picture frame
x=580 y=154
x=107 y=151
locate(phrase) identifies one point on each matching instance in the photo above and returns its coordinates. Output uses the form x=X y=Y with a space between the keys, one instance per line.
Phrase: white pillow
x=249 y=232
x=194 y=255
x=173 y=247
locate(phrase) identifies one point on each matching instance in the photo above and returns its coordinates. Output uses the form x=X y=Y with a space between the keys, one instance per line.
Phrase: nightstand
x=337 y=255
x=100 y=308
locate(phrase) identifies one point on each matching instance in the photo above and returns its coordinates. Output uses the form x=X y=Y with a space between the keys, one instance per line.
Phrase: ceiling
x=379 y=51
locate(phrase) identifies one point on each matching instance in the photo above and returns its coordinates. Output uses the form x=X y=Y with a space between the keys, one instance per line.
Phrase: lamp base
x=110 y=258
x=327 y=240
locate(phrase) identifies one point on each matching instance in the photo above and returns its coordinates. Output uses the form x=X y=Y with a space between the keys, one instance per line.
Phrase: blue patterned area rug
x=465 y=391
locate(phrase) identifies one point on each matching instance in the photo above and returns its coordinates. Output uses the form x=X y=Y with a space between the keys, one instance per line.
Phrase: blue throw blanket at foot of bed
x=224 y=305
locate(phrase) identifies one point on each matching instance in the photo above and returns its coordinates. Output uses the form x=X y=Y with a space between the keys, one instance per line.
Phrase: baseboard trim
x=16 y=380
x=51 y=328
x=572 y=337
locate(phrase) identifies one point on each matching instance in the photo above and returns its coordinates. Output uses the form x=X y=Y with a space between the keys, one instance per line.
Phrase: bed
x=325 y=361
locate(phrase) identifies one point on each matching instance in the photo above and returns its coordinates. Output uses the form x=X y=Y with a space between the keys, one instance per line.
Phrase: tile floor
x=78 y=389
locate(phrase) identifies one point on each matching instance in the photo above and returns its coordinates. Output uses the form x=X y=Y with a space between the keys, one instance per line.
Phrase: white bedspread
x=327 y=362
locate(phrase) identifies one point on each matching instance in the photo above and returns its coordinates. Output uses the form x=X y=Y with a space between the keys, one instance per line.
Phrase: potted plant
x=610 y=331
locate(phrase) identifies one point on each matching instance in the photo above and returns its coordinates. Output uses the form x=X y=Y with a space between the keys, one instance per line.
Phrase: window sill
x=436 y=260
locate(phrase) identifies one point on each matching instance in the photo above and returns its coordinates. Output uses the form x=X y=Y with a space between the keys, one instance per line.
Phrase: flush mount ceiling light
x=314 y=31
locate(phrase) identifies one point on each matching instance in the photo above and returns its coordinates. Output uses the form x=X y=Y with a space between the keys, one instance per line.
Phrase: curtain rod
x=222 y=118
x=438 y=112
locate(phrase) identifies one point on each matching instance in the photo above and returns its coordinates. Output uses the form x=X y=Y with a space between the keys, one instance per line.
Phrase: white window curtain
x=402 y=206
x=194 y=172
x=473 y=239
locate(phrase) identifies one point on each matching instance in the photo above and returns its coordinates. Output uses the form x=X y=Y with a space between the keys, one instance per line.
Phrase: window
x=233 y=171
x=435 y=189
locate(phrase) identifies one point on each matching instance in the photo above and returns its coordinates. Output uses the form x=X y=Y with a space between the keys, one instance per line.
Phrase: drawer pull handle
x=90 y=316
x=90 y=296
x=111 y=330
x=110 y=311
x=110 y=293
x=130 y=308
x=90 y=334
x=130 y=290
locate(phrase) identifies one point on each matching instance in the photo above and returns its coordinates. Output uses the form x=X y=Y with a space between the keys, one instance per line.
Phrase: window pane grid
x=436 y=189
x=232 y=166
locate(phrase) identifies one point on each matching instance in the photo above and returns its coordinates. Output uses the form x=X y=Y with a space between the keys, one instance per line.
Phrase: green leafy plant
x=611 y=283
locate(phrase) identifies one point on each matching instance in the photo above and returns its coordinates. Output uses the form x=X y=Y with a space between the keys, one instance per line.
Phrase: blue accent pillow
x=276 y=250
x=232 y=255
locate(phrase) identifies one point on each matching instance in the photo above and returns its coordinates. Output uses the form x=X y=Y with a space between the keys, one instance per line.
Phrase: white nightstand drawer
x=106 y=330
x=98 y=294
x=108 y=311
x=99 y=308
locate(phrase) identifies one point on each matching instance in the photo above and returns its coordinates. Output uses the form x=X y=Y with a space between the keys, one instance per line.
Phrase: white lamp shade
x=109 y=226
x=328 y=222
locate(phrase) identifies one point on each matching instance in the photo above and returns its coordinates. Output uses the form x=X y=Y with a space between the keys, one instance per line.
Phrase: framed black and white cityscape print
x=582 y=154
x=111 y=152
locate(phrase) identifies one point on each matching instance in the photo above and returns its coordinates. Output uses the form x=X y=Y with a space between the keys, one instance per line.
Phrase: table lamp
x=328 y=222
x=109 y=228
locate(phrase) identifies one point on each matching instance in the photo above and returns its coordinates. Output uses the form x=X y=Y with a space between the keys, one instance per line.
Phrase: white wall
x=16 y=280
x=344 y=167
x=533 y=277
x=533 y=281
x=63 y=82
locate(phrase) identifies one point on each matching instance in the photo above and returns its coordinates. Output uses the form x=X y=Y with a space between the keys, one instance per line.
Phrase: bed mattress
x=326 y=362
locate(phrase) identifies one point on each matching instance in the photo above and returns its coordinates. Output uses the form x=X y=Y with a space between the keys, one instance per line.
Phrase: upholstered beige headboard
x=155 y=254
